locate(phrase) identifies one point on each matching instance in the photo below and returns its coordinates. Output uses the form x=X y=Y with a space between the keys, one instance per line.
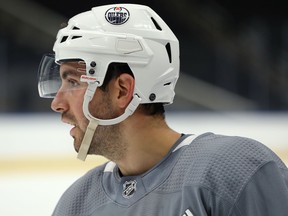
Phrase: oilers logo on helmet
x=117 y=15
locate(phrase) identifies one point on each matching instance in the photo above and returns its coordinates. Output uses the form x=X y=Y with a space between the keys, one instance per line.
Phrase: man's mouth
x=72 y=131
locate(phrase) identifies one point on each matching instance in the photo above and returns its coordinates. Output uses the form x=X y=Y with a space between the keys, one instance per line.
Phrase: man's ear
x=124 y=88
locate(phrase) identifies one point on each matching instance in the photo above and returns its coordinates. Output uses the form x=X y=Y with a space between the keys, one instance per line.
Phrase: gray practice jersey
x=206 y=175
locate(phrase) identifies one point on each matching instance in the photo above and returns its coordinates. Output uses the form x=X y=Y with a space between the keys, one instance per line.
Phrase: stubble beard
x=107 y=140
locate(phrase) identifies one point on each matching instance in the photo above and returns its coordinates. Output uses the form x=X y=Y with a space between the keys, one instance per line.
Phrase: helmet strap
x=86 y=142
x=94 y=122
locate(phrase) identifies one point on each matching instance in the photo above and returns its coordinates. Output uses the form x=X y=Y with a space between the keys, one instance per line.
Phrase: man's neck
x=148 y=144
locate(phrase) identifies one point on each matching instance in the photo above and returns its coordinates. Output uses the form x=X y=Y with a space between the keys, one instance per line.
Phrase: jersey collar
x=129 y=189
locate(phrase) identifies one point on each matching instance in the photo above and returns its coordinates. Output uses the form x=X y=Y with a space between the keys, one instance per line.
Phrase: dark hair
x=115 y=70
x=155 y=109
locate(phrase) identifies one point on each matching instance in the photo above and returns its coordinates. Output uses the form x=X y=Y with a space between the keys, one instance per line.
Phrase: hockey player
x=113 y=70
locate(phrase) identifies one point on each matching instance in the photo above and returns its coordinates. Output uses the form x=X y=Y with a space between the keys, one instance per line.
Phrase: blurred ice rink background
x=38 y=162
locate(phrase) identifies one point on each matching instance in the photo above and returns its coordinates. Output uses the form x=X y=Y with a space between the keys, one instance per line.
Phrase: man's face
x=69 y=100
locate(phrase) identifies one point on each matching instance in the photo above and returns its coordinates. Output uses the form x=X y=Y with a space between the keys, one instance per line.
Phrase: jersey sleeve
x=266 y=194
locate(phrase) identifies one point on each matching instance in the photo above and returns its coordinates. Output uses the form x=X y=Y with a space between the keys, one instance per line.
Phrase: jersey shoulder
x=84 y=195
x=221 y=164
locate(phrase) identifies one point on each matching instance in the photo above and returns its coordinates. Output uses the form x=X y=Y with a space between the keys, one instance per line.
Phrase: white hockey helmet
x=122 y=33
x=126 y=33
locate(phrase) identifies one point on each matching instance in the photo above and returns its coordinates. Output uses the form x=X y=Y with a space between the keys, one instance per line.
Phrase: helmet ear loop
x=94 y=122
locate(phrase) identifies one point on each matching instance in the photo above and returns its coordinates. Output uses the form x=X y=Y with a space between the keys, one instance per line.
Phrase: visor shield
x=49 y=81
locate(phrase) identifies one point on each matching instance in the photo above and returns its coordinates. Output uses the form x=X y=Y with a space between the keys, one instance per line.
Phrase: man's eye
x=73 y=83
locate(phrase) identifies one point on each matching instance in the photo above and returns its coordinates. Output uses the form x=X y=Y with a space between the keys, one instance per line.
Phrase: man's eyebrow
x=67 y=73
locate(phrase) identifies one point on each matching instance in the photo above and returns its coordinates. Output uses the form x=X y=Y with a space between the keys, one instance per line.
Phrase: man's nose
x=59 y=104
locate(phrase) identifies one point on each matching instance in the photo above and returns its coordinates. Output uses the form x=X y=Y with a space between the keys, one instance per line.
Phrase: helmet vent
x=168 y=49
x=64 y=38
x=75 y=37
x=75 y=28
x=156 y=24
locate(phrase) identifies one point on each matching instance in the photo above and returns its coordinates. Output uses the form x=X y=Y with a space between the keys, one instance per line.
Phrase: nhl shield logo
x=117 y=15
x=129 y=188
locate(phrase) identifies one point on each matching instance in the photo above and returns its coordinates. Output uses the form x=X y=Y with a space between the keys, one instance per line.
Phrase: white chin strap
x=94 y=122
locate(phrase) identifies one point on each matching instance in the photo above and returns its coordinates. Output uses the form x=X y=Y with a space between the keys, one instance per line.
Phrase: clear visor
x=49 y=81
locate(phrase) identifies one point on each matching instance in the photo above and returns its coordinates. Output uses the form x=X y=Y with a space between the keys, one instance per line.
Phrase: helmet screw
x=152 y=97
x=91 y=71
x=93 y=64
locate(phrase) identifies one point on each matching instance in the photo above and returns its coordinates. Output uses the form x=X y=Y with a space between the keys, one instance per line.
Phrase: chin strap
x=94 y=122
x=85 y=145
